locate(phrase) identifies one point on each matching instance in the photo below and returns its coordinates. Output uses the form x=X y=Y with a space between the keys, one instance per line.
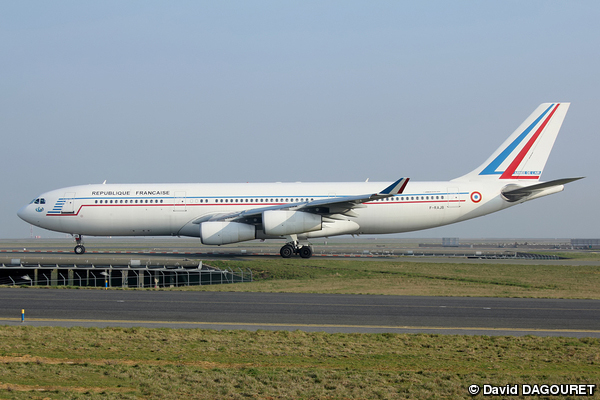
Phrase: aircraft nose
x=24 y=213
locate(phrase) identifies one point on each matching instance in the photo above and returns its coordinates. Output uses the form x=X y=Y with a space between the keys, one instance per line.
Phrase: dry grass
x=180 y=363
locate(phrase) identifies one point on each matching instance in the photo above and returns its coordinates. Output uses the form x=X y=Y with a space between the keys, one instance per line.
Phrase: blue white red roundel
x=475 y=197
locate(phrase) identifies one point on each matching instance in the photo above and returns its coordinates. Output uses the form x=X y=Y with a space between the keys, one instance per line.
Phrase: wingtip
x=396 y=187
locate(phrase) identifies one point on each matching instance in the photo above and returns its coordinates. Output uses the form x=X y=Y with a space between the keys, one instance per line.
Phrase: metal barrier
x=124 y=276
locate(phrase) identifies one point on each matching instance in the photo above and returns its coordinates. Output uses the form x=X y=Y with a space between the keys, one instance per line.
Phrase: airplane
x=223 y=213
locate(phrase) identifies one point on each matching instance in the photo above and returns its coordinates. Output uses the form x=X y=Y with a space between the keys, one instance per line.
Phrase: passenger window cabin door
x=180 y=201
x=453 y=198
x=69 y=203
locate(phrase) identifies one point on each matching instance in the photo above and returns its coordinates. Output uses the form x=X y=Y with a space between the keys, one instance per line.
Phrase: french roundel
x=475 y=197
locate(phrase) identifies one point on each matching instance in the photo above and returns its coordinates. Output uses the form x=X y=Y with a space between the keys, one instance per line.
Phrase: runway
x=307 y=312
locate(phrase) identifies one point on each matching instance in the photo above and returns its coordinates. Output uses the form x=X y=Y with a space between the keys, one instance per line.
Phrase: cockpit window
x=39 y=201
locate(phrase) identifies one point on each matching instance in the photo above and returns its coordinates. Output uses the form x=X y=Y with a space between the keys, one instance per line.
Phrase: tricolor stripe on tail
x=524 y=154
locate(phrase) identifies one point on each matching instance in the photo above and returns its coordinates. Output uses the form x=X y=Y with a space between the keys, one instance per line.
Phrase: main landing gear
x=79 y=249
x=289 y=249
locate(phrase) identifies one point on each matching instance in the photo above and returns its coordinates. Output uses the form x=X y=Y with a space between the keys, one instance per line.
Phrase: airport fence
x=115 y=277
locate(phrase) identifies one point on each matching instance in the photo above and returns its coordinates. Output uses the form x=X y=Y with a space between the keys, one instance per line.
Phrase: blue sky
x=242 y=91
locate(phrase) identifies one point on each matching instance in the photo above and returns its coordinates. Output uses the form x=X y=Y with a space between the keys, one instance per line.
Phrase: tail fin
x=524 y=154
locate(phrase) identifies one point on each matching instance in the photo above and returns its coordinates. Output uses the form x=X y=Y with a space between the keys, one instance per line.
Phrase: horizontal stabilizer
x=515 y=193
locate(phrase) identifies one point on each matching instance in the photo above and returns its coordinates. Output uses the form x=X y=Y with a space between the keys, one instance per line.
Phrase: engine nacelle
x=335 y=228
x=220 y=232
x=283 y=222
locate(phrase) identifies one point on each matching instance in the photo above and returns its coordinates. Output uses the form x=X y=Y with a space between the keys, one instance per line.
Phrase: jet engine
x=283 y=222
x=220 y=232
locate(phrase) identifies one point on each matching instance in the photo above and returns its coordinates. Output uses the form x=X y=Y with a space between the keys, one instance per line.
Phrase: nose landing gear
x=79 y=249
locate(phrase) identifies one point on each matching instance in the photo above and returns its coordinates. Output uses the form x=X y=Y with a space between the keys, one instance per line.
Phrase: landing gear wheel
x=79 y=249
x=305 y=252
x=286 y=251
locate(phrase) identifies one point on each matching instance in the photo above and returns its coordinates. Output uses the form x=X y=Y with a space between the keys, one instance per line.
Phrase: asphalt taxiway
x=276 y=311
x=307 y=312
x=186 y=252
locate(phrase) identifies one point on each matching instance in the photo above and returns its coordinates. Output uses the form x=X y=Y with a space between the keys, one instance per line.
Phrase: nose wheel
x=79 y=249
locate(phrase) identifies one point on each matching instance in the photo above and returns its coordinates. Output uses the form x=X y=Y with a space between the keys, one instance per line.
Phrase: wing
x=330 y=206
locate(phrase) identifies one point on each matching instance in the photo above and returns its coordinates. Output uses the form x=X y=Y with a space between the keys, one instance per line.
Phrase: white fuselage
x=171 y=209
x=229 y=213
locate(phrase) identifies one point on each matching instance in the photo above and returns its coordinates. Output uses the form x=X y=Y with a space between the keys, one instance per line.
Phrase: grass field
x=119 y=363
x=398 y=277
x=132 y=363
x=411 y=278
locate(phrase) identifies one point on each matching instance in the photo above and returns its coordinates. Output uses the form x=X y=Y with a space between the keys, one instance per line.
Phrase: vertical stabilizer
x=524 y=154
